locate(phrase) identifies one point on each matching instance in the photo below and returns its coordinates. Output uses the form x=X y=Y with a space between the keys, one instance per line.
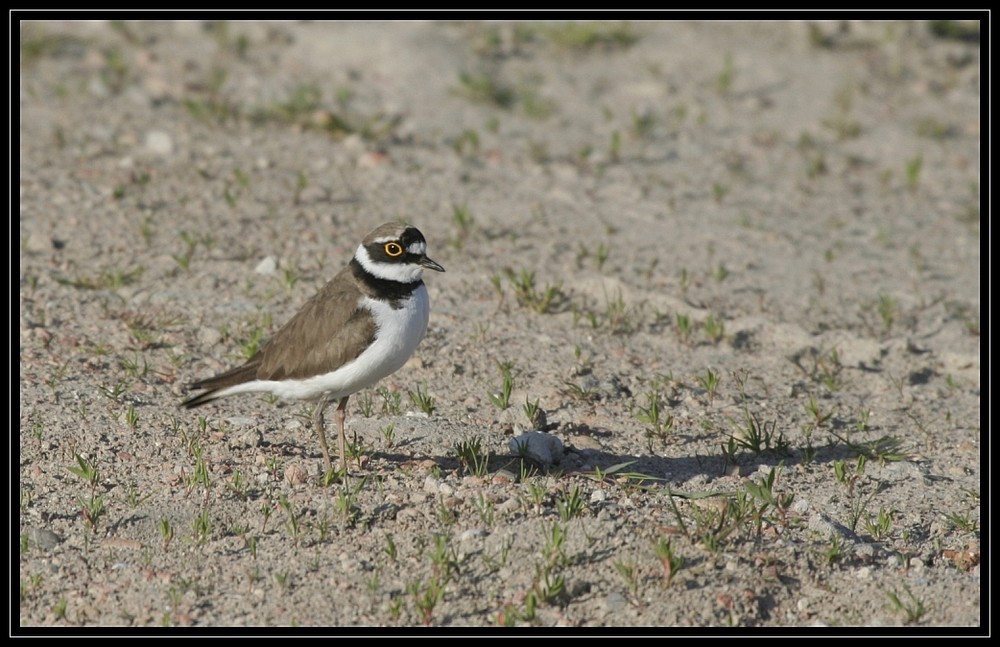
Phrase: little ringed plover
x=359 y=328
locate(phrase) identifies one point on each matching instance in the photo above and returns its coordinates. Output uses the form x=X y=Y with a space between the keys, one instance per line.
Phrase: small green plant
x=131 y=417
x=470 y=455
x=912 y=607
x=92 y=509
x=250 y=345
x=166 y=532
x=822 y=367
x=501 y=398
x=391 y=402
x=617 y=474
x=710 y=526
x=715 y=329
x=293 y=524
x=570 y=504
x=643 y=123
x=266 y=510
x=554 y=549
x=486 y=509
x=819 y=419
x=323 y=528
x=462 y=217
x=494 y=562
x=710 y=382
x=141 y=328
x=199 y=475
x=578 y=392
x=132 y=496
x=963 y=521
x=760 y=437
x=683 y=328
x=346 y=501
x=395 y=608
x=497 y=282
x=466 y=145
x=107 y=280
x=183 y=259
x=446 y=514
x=669 y=560
x=857 y=506
x=91 y=506
x=763 y=492
x=59 y=609
x=731 y=452
x=888 y=449
x=724 y=80
x=537 y=493
x=615 y=146
x=131 y=366
x=887 y=309
x=301 y=182
x=601 y=257
x=113 y=392
x=483 y=87
x=355 y=450
x=591 y=35
x=289 y=276
x=87 y=471
x=542 y=301
x=389 y=434
x=684 y=280
x=629 y=571
x=390 y=549
x=532 y=411
x=366 y=404
x=422 y=399
x=443 y=558
x=913 y=167
x=202 y=527
x=879 y=526
x=849 y=478
x=426 y=597
x=862 y=423
x=659 y=423
x=835 y=551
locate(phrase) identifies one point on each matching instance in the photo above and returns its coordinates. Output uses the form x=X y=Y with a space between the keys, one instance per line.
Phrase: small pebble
x=268 y=265
x=543 y=448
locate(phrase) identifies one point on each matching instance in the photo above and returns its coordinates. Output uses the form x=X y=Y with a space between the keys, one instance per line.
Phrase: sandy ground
x=736 y=266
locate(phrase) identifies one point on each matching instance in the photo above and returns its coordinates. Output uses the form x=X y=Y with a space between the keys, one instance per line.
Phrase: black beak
x=431 y=265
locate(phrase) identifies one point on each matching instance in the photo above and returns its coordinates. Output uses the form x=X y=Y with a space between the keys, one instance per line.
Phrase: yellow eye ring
x=393 y=249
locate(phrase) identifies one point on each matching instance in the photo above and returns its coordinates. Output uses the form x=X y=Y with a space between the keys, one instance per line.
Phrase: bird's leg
x=318 y=423
x=341 y=415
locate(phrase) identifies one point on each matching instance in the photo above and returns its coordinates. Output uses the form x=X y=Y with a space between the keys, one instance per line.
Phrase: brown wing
x=322 y=336
x=326 y=333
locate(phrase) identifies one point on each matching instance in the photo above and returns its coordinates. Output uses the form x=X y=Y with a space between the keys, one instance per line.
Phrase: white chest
x=399 y=331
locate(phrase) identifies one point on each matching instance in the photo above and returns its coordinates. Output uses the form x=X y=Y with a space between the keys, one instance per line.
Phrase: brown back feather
x=318 y=339
x=321 y=337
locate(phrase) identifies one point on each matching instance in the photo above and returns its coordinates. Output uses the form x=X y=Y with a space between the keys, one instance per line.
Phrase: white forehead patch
x=417 y=247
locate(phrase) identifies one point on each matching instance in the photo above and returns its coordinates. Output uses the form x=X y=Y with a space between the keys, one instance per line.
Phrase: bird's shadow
x=581 y=458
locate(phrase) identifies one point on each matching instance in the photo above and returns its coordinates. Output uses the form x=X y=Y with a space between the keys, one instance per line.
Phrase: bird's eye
x=393 y=249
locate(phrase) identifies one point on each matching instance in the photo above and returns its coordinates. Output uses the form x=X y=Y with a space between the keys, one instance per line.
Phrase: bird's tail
x=214 y=387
